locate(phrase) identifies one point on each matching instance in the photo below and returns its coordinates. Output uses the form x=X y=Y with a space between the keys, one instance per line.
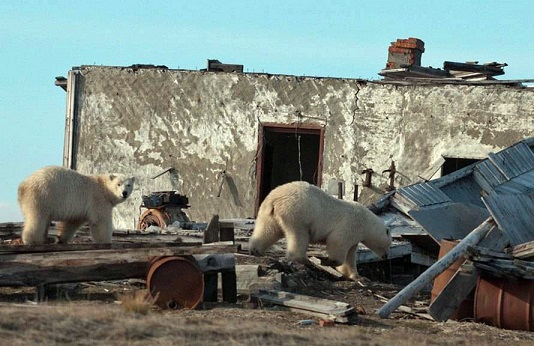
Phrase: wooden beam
x=524 y=251
x=437 y=268
x=329 y=309
x=14 y=249
x=316 y=262
x=34 y=269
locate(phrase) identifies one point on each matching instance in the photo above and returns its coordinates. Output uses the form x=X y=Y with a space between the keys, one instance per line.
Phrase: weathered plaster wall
x=200 y=123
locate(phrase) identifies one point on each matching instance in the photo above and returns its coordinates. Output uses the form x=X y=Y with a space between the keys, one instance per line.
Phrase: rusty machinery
x=163 y=208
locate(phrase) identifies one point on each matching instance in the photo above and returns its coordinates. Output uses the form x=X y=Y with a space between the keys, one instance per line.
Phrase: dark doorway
x=453 y=164
x=288 y=153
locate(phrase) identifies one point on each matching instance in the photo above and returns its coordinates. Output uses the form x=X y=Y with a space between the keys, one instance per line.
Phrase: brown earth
x=89 y=314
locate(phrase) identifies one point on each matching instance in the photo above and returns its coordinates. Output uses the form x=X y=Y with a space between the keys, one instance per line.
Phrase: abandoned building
x=224 y=138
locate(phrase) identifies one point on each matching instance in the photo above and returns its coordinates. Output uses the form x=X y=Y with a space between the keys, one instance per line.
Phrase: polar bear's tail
x=267 y=231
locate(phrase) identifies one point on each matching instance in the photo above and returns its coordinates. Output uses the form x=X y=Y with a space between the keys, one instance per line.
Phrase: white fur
x=304 y=214
x=59 y=194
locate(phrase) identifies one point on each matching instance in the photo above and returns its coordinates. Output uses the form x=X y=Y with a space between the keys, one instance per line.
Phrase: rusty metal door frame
x=311 y=129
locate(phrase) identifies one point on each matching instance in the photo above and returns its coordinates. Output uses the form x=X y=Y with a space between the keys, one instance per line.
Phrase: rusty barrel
x=175 y=282
x=505 y=303
x=465 y=310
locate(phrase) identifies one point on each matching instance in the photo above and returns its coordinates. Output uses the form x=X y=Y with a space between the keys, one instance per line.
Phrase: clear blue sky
x=40 y=40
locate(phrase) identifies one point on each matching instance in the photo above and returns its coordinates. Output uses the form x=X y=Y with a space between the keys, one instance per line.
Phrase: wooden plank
x=450 y=220
x=33 y=269
x=506 y=268
x=524 y=251
x=335 y=310
x=432 y=169
x=305 y=302
x=406 y=309
x=247 y=275
x=365 y=255
x=316 y=262
x=422 y=259
x=5 y=249
x=480 y=252
x=513 y=214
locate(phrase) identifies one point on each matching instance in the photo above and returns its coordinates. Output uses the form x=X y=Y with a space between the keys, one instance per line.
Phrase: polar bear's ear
x=112 y=177
x=132 y=179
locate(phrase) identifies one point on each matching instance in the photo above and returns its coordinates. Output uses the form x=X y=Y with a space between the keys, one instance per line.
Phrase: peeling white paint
x=203 y=123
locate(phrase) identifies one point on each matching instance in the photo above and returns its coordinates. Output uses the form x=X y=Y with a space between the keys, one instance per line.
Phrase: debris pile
x=404 y=61
x=495 y=232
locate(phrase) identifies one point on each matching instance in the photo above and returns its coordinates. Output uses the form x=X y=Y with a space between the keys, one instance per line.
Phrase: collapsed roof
x=450 y=207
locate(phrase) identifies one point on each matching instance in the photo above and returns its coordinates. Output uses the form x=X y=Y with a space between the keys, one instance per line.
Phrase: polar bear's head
x=379 y=240
x=121 y=186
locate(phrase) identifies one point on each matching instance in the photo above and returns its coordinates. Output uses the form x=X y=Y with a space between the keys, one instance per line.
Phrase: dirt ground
x=90 y=313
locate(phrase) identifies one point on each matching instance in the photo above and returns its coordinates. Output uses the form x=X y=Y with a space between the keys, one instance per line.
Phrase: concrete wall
x=141 y=121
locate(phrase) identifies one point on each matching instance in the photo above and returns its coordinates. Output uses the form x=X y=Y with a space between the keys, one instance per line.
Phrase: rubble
x=499 y=188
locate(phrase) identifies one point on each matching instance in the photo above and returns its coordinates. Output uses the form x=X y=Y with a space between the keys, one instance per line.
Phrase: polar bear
x=55 y=193
x=303 y=214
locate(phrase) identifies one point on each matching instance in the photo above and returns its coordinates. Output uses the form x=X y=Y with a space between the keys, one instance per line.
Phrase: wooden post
x=223 y=231
x=437 y=268
x=355 y=193
x=210 y=287
x=211 y=234
x=228 y=278
x=340 y=190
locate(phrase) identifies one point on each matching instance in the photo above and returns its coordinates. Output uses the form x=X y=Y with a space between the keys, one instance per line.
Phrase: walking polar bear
x=55 y=193
x=303 y=214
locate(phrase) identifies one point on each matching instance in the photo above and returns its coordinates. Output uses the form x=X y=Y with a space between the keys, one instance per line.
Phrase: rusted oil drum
x=177 y=282
x=153 y=217
x=505 y=303
x=465 y=310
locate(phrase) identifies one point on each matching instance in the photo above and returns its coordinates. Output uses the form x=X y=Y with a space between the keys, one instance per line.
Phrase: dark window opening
x=453 y=164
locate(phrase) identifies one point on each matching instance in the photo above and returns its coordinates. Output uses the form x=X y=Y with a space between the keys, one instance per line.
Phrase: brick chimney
x=405 y=52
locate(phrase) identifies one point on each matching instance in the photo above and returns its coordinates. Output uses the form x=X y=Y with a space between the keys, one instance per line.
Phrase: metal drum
x=505 y=303
x=177 y=282
x=465 y=310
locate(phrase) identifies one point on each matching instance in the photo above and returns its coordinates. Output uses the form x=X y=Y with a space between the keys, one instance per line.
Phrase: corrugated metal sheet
x=514 y=215
x=424 y=194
